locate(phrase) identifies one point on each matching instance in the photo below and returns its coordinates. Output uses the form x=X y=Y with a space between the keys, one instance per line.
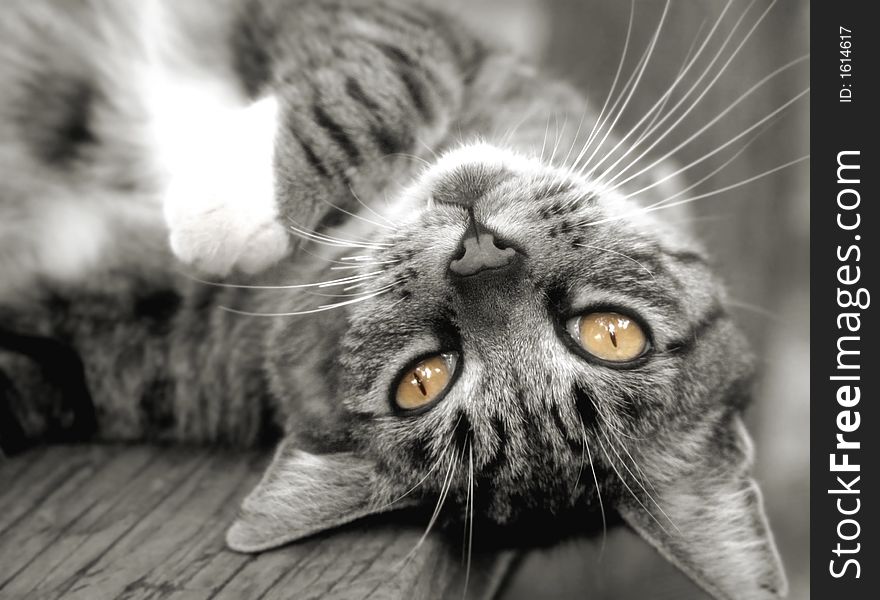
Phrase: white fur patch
x=220 y=200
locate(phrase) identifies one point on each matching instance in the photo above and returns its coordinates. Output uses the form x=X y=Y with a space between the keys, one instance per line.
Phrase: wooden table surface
x=93 y=522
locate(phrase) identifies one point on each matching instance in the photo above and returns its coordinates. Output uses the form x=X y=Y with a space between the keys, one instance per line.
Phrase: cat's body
x=488 y=254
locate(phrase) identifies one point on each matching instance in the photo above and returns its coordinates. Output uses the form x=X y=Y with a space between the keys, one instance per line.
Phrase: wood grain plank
x=96 y=533
x=148 y=523
x=35 y=484
x=107 y=573
x=13 y=468
x=25 y=540
x=65 y=539
x=163 y=554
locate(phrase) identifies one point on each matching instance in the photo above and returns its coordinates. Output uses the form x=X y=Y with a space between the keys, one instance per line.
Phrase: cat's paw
x=219 y=239
x=220 y=203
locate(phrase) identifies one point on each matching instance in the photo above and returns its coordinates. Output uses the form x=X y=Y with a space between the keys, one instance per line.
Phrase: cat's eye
x=610 y=336
x=425 y=382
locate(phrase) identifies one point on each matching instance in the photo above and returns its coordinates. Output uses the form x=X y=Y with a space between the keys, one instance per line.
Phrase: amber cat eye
x=425 y=381
x=610 y=336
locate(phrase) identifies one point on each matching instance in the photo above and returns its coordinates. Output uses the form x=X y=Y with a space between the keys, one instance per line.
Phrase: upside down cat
x=423 y=294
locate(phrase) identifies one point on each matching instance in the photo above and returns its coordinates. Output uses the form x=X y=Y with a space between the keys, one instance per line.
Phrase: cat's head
x=535 y=343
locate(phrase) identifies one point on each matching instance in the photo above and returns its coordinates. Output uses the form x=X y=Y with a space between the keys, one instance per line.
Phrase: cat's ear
x=303 y=493
x=714 y=528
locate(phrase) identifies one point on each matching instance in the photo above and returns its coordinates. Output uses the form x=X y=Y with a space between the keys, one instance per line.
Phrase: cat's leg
x=349 y=96
x=219 y=202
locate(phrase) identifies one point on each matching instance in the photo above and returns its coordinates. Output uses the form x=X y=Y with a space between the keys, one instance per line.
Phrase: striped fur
x=360 y=93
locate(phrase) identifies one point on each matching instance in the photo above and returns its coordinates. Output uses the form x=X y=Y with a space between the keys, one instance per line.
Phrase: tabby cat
x=382 y=248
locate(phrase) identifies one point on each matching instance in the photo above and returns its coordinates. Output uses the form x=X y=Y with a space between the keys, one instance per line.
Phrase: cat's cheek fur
x=220 y=201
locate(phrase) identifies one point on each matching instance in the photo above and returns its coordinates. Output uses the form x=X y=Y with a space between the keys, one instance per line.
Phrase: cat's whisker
x=641 y=71
x=635 y=464
x=441 y=500
x=629 y=489
x=469 y=519
x=364 y=264
x=317 y=284
x=324 y=258
x=358 y=258
x=429 y=149
x=544 y=142
x=388 y=307
x=614 y=184
x=329 y=240
x=630 y=258
x=613 y=113
x=754 y=308
x=512 y=131
x=322 y=308
x=372 y=211
x=581 y=463
x=706 y=70
x=727 y=162
x=557 y=136
x=711 y=174
x=639 y=482
x=336 y=242
x=294 y=227
x=688 y=93
x=397 y=281
x=425 y=477
x=356 y=294
x=598 y=489
x=437 y=463
x=662 y=204
x=620 y=63
x=327 y=232
x=657 y=108
x=574 y=138
x=413 y=157
x=357 y=216
x=616 y=429
x=689 y=55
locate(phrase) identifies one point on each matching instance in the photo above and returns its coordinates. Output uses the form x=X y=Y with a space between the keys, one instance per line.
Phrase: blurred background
x=758 y=234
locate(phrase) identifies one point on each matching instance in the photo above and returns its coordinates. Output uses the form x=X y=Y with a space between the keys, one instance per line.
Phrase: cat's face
x=578 y=355
x=525 y=393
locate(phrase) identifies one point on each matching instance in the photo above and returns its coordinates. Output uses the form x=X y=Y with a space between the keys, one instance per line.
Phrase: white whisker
x=469 y=518
x=329 y=240
x=630 y=258
x=639 y=482
x=321 y=308
x=441 y=500
x=369 y=209
x=594 y=130
x=635 y=85
x=598 y=490
x=708 y=125
x=660 y=103
x=711 y=174
x=626 y=485
x=318 y=284
x=662 y=205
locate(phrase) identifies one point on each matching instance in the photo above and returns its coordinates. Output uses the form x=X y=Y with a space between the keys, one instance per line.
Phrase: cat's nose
x=481 y=252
